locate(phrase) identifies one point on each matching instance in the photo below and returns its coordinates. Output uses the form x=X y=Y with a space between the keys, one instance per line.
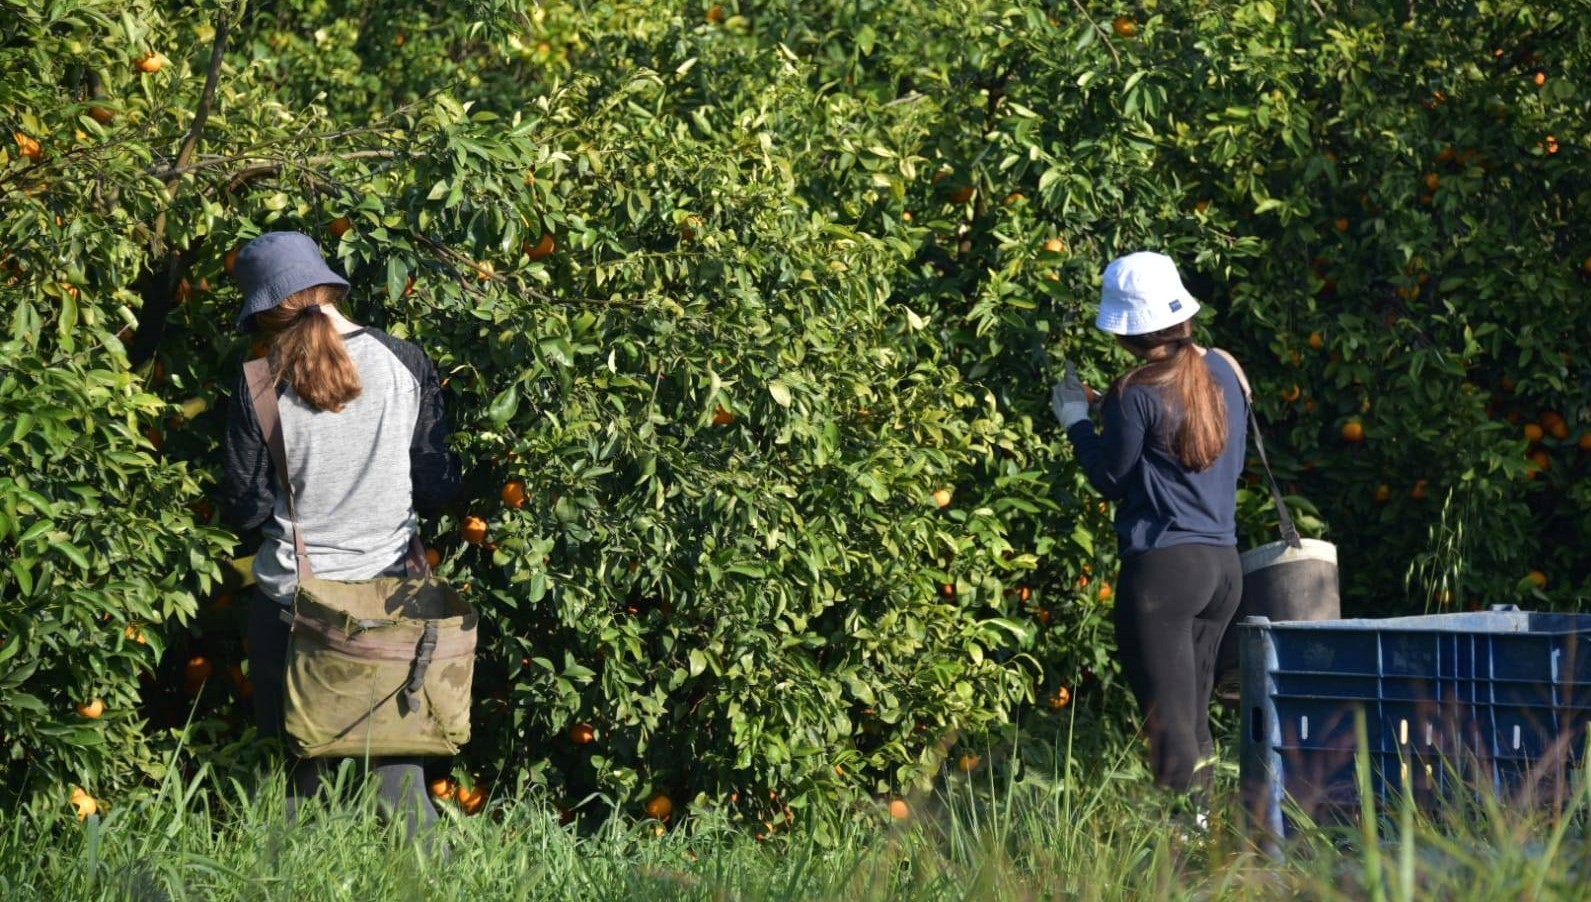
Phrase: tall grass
x=1075 y=830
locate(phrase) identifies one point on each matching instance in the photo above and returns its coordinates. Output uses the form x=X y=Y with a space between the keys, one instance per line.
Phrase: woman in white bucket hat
x=1170 y=455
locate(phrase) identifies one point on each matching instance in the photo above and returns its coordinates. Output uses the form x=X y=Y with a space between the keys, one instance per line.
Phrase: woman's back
x=350 y=470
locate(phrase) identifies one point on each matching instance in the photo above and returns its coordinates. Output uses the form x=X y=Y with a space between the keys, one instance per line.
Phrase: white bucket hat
x=1143 y=293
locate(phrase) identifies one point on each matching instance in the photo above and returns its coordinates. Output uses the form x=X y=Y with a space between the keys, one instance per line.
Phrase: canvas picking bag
x=375 y=667
x=1292 y=578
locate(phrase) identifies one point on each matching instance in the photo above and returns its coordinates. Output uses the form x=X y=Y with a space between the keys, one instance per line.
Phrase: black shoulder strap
x=1288 y=527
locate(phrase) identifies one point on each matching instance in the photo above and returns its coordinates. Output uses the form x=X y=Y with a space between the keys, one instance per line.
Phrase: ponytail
x=307 y=350
x=1189 y=392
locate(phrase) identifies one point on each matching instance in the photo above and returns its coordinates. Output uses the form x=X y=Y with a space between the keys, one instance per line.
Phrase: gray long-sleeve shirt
x=358 y=474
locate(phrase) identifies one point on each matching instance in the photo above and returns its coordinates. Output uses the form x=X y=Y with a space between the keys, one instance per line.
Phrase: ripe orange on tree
x=1432 y=181
x=514 y=493
x=899 y=810
x=722 y=416
x=1292 y=394
x=150 y=63
x=1353 y=432
x=101 y=115
x=1585 y=441
x=582 y=733
x=473 y=530
x=1559 y=430
x=1057 y=246
x=1316 y=340
x=1533 y=432
x=715 y=14
x=1541 y=460
x=1537 y=579
x=542 y=248
x=28 y=146
x=968 y=762
x=961 y=194
x=1341 y=224
x=92 y=709
x=1060 y=698
x=230 y=261
x=86 y=805
x=1383 y=493
x=1106 y=592
x=1418 y=492
x=942 y=497
x=470 y=798
x=433 y=558
x=1539 y=78
x=340 y=226
x=441 y=787
x=1124 y=26
x=195 y=673
x=659 y=807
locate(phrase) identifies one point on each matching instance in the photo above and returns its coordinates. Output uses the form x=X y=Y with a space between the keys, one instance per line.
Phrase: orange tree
x=748 y=313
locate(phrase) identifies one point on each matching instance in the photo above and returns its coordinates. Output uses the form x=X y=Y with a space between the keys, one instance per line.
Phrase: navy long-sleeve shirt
x=1160 y=502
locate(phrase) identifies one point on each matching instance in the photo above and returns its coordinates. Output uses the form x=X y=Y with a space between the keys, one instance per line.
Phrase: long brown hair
x=307 y=351
x=1189 y=391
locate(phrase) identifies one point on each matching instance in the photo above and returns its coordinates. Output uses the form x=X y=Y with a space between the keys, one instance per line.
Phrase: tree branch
x=1103 y=34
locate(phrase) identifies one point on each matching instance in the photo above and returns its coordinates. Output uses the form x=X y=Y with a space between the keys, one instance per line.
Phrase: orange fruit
x=1023 y=594
x=1539 y=78
x=1341 y=224
x=1316 y=340
x=340 y=226
x=1061 y=698
x=101 y=115
x=942 y=497
x=473 y=530
x=543 y=248
x=1551 y=418
x=1418 y=492
x=92 y=709
x=28 y=146
x=715 y=14
x=722 y=416
x=1202 y=206
x=441 y=787
x=659 y=807
x=1015 y=197
x=1383 y=493
x=1559 y=430
x=485 y=271
x=514 y=493
x=135 y=633
x=230 y=261
x=1057 y=246
x=968 y=763
x=1533 y=432
x=1550 y=144
x=899 y=810
x=1432 y=181
x=150 y=63
x=1106 y=592
x=470 y=798
x=433 y=558
x=1124 y=26
x=196 y=672
x=1292 y=394
x=582 y=733
x=1542 y=461
x=85 y=804
x=1537 y=579
x=1585 y=441
x=961 y=194
x=1353 y=432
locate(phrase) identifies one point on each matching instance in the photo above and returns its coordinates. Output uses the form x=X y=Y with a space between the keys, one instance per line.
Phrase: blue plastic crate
x=1451 y=702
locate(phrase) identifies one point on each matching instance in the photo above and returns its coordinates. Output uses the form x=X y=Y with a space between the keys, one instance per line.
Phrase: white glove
x=1069 y=398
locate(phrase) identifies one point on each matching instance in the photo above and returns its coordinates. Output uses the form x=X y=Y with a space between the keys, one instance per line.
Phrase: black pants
x=1172 y=605
x=400 y=781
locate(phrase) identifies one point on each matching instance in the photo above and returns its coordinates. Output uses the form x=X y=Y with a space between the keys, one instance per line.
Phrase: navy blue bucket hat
x=275 y=266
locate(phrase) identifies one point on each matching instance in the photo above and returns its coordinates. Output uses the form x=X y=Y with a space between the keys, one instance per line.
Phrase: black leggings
x=1172 y=605
x=400 y=781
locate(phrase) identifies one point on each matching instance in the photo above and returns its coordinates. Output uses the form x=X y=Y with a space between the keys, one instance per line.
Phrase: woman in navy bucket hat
x=362 y=419
x=1170 y=455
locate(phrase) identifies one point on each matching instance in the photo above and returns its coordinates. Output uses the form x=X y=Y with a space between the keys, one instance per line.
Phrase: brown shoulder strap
x=1242 y=378
x=262 y=394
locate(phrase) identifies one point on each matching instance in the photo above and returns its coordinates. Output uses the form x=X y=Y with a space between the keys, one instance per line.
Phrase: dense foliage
x=724 y=295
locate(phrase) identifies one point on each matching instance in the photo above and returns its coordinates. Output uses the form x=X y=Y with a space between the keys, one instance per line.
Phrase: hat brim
x=270 y=295
x=1118 y=321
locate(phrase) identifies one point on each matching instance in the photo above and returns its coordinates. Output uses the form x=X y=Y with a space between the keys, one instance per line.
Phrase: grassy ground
x=1086 y=832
